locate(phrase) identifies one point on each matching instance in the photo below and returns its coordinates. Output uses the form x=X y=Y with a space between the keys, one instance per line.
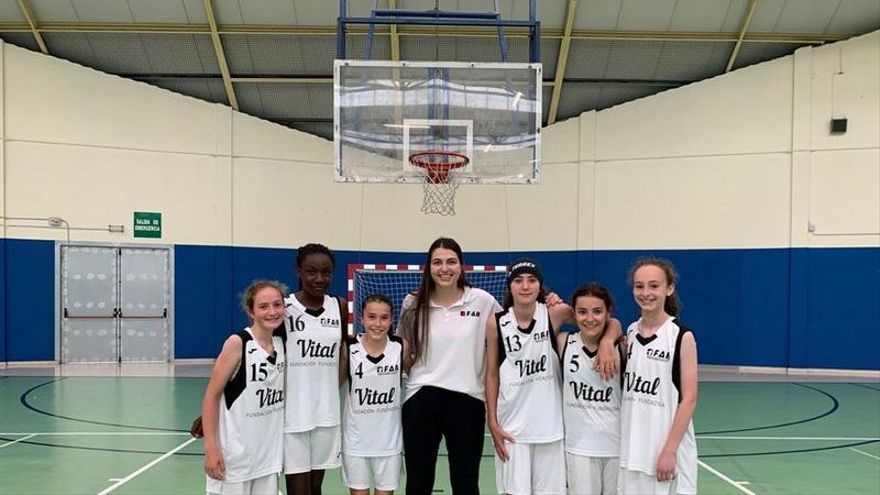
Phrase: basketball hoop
x=437 y=169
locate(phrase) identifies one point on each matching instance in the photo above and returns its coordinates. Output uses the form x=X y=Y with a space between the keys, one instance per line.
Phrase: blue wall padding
x=4 y=316
x=842 y=310
x=203 y=300
x=29 y=330
x=802 y=308
x=735 y=301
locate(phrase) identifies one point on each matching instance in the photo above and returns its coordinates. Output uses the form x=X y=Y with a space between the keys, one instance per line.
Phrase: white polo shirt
x=456 y=353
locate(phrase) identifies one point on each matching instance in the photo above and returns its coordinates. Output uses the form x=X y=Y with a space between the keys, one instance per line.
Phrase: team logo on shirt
x=468 y=312
x=329 y=322
x=312 y=349
x=270 y=397
x=635 y=383
x=657 y=354
x=389 y=369
x=370 y=397
x=528 y=367
x=541 y=336
x=587 y=393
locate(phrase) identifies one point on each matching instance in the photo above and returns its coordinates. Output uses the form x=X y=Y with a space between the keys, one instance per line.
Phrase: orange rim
x=438 y=164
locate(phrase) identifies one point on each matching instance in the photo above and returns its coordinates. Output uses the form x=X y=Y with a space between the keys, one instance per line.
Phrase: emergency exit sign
x=147 y=224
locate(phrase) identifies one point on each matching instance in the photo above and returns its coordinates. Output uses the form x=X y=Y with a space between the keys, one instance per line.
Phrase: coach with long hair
x=444 y=322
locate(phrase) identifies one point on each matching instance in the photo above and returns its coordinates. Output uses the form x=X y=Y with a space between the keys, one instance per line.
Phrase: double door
x=115 y=304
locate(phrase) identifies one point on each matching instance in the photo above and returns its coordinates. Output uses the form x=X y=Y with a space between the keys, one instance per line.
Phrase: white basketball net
x=440 y=181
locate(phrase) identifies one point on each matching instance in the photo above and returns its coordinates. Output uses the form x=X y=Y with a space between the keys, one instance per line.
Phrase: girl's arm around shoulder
x=560 y=314
x=606 y=359
x=688 y=367
x=227 y=362
x=561 y=340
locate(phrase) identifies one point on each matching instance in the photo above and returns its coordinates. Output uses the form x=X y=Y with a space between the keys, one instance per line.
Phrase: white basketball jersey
x=650 y=400
x=529 y=399
x=252 y=412
x=313 y=340
x=372 y=421
x=590 y=405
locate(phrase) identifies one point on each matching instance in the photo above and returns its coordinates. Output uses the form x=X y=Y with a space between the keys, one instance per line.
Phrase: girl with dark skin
x=316 y=326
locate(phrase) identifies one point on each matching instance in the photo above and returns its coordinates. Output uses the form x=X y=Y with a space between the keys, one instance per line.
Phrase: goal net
x=396 y=281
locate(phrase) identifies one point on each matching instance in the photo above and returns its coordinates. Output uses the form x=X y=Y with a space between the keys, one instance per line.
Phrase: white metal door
x=144 y=299
x=115 y=304
x=89 y=277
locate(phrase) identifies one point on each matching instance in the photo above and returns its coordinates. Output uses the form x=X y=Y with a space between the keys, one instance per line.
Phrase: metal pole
x=534 y=33
x=340 y=30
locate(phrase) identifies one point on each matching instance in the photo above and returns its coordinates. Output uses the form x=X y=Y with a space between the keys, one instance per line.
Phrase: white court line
x=28 y=435
x=838 y=439
x=147 y=466
x=721 y=475
x=95 y=433
x=872 y=456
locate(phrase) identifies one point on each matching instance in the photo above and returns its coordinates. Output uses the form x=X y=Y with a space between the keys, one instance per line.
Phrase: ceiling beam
x=680 y=36
x=221 y=57
x=562 y=61
x=742 y=33
x=284 y=79
x=28 y=13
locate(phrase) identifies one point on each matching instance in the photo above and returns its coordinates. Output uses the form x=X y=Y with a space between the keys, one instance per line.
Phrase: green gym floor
x=62 y=434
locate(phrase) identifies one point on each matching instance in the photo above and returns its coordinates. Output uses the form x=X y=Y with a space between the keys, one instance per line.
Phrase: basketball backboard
x=386 y=111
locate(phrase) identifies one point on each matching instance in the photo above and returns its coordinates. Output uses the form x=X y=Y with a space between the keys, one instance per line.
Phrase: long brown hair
x=415 y=320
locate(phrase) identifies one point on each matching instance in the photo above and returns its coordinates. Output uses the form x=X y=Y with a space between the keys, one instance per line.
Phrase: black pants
x=434 y=412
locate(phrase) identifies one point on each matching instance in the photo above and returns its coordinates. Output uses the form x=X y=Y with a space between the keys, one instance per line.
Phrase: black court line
x=865 y=386
x=834 y=406
x=24 y=402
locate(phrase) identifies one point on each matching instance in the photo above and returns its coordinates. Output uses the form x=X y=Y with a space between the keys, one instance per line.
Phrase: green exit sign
x=147 y=224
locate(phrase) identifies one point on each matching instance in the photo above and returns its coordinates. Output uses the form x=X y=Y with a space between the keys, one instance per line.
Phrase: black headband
x=524 y=266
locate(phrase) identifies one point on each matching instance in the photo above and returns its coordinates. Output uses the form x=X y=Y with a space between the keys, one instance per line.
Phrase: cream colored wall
x=741 y=160
x=93 y=148
x=2 y=140
x=836 y=178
